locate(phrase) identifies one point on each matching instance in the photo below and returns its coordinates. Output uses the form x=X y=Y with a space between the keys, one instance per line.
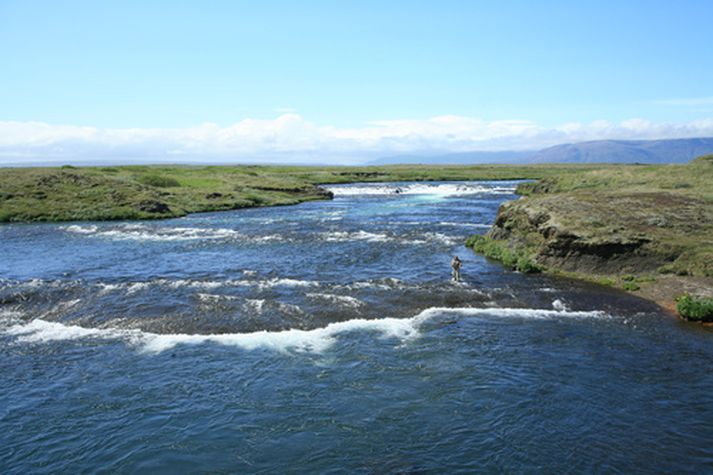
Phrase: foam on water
x=337 y=299
x=388 y=283
x=139 y=232
x=315 y=341
x=255 y=305
x=464 y=224
x=283 y=282
x=42 y=331
x=133 y=287
x=9 y=317
x=159 y=234
x=559 y=305
x=136 y=287
x=441 y=238
x=426 y=238
x=201 y=284
x=341 y=236
x=105 y=288
x=81 y=229
x=441 y=189
x=214 y=297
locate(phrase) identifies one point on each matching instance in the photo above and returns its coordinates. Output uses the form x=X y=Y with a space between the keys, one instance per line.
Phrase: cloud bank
x=292 y=138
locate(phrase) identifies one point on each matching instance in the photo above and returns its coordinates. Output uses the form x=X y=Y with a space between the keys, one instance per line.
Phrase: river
x=328 y=337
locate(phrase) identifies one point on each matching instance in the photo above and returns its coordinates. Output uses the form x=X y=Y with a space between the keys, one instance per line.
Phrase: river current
x=328 y=337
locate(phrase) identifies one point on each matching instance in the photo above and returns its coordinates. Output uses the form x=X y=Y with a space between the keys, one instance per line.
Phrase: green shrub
x=609 y=282
x=158 y=180
x=500 y=251
x=473 y=240
x=630 y=286
x=695 y=308
x=527 y=265
x=507 y=257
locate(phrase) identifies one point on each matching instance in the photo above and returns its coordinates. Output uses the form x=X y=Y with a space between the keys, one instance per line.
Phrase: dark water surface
x=327 y=337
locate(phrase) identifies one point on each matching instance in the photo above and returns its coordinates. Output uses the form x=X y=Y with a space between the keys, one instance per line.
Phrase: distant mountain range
x=518 y=156
x=596 y=151
x=626 y=151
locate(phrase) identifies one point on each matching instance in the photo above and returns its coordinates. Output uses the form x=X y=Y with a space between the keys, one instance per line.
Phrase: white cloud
x=290 y=137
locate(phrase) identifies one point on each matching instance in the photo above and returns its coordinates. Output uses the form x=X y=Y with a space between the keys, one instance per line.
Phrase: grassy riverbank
x=154 y=192
x=645 y=229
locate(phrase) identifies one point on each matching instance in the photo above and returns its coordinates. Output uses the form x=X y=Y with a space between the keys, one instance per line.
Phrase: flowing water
x=328 y=337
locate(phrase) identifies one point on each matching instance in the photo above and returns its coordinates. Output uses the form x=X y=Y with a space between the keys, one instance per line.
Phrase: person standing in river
x=456 y=264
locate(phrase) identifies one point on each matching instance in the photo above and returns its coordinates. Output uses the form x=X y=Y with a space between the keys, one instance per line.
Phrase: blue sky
x=338 y=70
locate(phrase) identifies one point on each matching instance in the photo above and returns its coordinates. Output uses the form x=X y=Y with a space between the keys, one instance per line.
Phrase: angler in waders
x=456 y=264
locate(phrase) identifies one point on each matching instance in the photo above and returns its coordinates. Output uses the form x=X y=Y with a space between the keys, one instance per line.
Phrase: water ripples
x=329 y=336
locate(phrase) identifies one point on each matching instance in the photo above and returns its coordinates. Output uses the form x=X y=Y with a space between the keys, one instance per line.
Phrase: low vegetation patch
x=630 y=286
x=158 y=181
x=631 y=282
x=699 y=309
x=606 y=281
x=516 y=259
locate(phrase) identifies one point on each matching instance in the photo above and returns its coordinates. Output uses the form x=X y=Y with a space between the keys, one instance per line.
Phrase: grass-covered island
x=646 y=229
